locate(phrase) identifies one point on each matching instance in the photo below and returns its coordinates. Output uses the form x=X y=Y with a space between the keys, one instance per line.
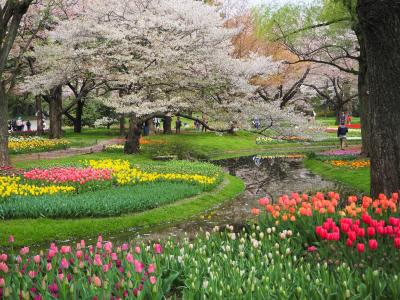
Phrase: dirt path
x=67 y=152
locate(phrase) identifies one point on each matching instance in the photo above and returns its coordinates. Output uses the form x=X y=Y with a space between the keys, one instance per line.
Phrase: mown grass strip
x=358 y=179
x=34 y=231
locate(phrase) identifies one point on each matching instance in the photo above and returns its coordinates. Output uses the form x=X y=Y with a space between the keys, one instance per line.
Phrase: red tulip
x=397 y=242
x=349 y=243
x=371 y=231
x=345 y=227
x=380 y=229
x=373 y=244
x=361 y=232
x=360 y=247
x=352 y=235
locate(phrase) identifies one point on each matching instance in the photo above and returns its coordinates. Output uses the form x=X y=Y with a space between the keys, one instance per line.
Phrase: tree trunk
x=4 y=158
x=337 y=113
x=151 y=126
x=55 y=104
x=78 y=116
x=132 y=143
x=363 y=98
x=122 y=125
x=380 y=26
x=167 y=125
x=39 y=115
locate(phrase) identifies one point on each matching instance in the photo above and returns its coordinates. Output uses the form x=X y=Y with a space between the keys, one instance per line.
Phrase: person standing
x=349 y=117
x=20 y=124
x=341 y=133
x=342 y=119
x=178 y=125
x=28 y=125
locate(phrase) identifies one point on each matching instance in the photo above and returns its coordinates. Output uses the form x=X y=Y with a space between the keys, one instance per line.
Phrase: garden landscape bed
x=107 y=196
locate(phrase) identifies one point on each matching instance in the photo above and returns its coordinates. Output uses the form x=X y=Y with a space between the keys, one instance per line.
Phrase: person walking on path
x=341 y=133
x=178 y=125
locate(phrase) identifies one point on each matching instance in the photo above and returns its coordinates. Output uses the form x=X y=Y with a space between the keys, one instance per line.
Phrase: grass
x=330 y=121
x=134 y=159
x=211 y=146
x=113 y=201
x=34 y=231
x=89 y=136
x=358 y=179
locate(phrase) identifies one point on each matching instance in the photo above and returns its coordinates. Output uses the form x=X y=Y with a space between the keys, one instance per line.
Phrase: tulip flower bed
x=253 y=263
x=356 y=164
x=365 y=231
x=18 y=145
x=102 y=188
x=339 y=152
x=263 y=140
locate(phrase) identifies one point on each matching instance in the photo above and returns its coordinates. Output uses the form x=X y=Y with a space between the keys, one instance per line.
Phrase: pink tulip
x=3 y=267
x=11 y=239
x=108 y=247
x=48 y=267
x=151 y=268
x=312 y=249
x=83 y=243
x=138 y=266
x=64 y=263
x=129 y=258
x=97 y=260
x=2 y=282
x=114 y=256
x=36 y=259
x=19 y=259
x=32 y=274
x=125 y=247
x=52 y=253
x=24 y=251
x=99 y=245
x=61 y=276
x=105 y=268
x=3 y=257
x=153 y=280
x=79 y=254
x=65 y=249
x=97 y=281
x=157 y=248
x=137 y=250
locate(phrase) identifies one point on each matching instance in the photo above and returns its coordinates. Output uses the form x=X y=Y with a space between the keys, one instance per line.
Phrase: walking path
x=67 y=152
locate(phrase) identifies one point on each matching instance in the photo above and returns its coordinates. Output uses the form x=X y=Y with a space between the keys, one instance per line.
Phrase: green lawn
x=330 y=121
x=358 y=179
x=34 y=231
x=89 y=136
x=212 y=146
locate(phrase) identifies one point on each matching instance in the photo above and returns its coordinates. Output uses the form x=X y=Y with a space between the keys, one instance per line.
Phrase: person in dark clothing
x=341 y=133
x=28 y=125
x=178 y=125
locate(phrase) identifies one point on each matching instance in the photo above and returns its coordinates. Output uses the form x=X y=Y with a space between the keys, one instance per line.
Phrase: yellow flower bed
x=22 y=145
x=123 y=173
x=11 y=186
x=356 y=164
